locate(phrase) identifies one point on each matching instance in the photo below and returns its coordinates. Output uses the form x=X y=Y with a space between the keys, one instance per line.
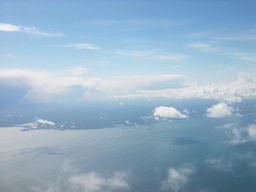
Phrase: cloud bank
x=244 y=88
x=43 y=86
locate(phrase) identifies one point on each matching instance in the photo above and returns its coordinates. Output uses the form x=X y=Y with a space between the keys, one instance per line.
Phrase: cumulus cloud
x=219 y=164
x=244 y=88
x=93 y=181
x=27 y=30
x=177 y=178
x=168 y=112
x=220 y=110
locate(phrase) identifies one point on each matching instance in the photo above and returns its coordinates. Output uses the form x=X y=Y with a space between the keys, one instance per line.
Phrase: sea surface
x=135 y=154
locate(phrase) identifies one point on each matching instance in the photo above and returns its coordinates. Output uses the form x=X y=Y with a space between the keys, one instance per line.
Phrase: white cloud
x=167 y=112
x=93 y=181
x=27 y=30
x=177 y=178
x=244 y=88
x=83 y=46
x=59 y=86
x=45 y=86
x=220 y=110
x=9 y=27
x=220 y=164
x=38 y=123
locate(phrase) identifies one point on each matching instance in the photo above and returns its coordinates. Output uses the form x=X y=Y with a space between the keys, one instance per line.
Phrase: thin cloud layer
x=28 y=30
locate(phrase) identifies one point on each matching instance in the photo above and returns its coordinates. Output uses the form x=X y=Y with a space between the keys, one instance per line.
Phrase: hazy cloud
x=220 y=164
x=203 y=47
x=178 y=177
x=91 y=182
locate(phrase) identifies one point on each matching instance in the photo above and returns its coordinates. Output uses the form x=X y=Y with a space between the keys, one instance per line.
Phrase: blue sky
x=127 y=47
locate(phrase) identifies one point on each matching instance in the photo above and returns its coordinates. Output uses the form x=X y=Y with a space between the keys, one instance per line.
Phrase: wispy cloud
x=151 y=54
x=203 y=47
x=83 y=46
x=137 y=22
x=222 y=51
x=28 y=30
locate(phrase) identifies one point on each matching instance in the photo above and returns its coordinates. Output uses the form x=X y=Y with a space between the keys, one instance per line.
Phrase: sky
x=77 y=50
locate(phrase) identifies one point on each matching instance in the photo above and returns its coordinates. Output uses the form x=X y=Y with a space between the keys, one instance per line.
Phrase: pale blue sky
x=206 y=41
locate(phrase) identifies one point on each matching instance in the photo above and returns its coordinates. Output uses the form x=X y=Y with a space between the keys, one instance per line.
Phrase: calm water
x=195 y=155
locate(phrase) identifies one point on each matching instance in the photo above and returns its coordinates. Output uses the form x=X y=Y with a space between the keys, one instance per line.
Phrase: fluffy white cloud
x=220 y=110
x=91 y=182
x=244 y=88
x=177 y=178
x=27 y=30
x=220 y=164
x=168 y=112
